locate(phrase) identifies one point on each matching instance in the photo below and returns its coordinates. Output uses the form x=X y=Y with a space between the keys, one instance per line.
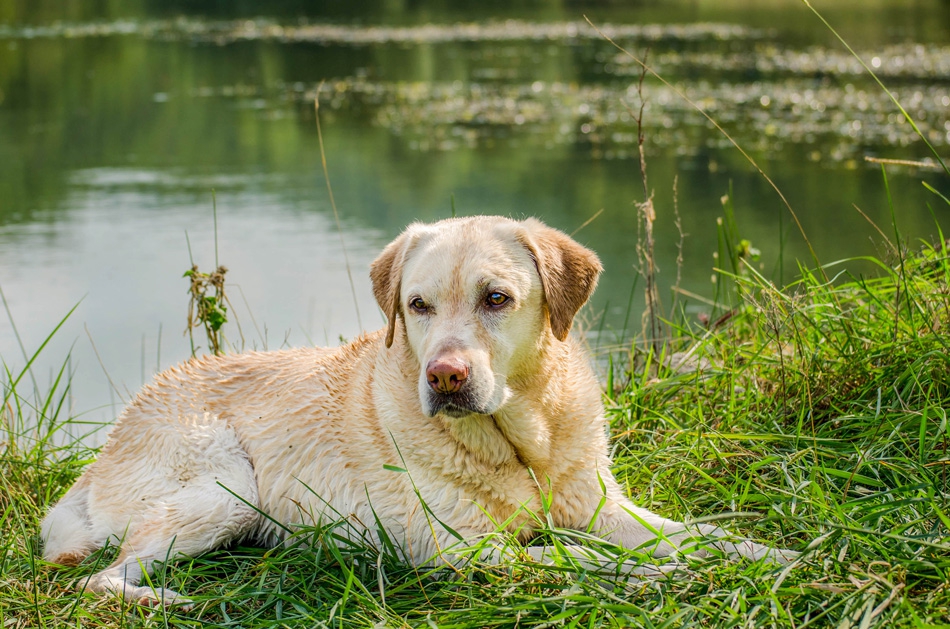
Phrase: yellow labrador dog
x=475 y=388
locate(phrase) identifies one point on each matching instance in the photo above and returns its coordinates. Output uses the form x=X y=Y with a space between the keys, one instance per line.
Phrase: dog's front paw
x=161 y=597
x=757 y=552
x=639 y=572
x=782 y=555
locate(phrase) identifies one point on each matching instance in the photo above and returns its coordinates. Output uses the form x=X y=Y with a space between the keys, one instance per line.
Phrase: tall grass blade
x=880 y=83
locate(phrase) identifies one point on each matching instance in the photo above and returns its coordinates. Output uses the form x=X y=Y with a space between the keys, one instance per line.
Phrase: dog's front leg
x=620 y=521
x=590 y=559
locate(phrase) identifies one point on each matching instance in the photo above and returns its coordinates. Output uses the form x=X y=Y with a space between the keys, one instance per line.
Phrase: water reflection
x=114 y=131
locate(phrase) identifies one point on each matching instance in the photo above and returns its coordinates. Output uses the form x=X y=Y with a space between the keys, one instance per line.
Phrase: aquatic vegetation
x=222 y=32
x=771 y=93
x=904 y=61
x=845 y=119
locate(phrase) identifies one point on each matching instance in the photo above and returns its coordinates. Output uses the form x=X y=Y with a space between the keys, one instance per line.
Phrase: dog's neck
x=521 y=428
x=526 y=420
x=480 y=437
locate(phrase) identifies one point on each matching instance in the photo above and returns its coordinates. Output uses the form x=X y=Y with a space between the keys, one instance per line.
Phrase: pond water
x=118 y=120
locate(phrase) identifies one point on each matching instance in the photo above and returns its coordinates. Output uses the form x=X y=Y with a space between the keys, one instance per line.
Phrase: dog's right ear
x=386 y=275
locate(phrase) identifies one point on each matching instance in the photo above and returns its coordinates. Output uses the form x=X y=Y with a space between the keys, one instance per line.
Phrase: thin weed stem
x=880 y=84
x=725 y=133
x=336 y=215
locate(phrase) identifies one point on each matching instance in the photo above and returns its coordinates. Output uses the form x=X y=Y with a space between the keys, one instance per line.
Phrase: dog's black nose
x=446 y=375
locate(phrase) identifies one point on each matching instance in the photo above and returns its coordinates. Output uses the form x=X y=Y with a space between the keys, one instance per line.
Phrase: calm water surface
x=117 y=124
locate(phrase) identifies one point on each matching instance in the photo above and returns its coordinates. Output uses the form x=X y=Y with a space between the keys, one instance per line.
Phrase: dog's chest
x=474 y=465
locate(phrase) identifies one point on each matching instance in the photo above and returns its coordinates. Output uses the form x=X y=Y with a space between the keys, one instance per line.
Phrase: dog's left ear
x=386 y=275
x=568 y=272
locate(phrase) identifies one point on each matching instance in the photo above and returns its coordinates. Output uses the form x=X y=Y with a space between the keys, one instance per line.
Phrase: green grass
x=818 y=421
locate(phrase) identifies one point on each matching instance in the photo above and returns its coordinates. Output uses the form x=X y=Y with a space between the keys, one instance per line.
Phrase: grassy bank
x=812 y=416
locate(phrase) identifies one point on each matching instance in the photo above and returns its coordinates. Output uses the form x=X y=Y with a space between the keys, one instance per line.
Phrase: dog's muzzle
x=455 y=404
x=452 y=390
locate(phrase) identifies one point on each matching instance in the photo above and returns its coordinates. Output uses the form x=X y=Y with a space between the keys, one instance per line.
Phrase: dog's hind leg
x=190 y=522
x=67 y=532
x=164 y=490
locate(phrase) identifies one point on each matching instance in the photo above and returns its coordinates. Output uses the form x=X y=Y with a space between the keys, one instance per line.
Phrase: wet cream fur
x=306 y=435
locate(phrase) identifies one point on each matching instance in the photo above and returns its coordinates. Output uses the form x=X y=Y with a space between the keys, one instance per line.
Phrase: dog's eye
x=496 y=299
x=418 y=305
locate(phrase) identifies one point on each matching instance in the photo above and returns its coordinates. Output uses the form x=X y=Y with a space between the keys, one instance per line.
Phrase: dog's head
x=478 y=298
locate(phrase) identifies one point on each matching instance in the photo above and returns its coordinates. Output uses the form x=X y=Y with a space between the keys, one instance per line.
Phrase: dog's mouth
x=455 y=405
